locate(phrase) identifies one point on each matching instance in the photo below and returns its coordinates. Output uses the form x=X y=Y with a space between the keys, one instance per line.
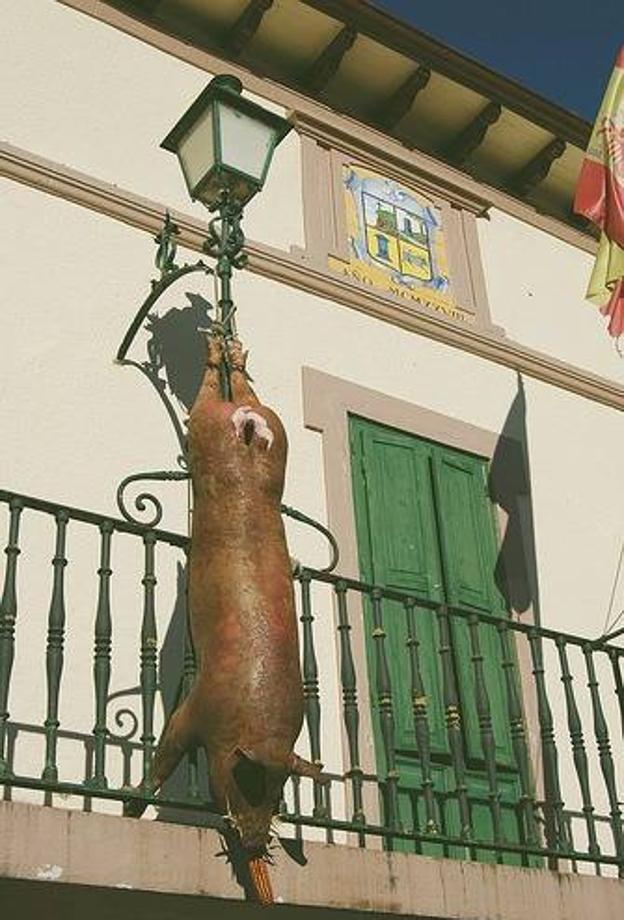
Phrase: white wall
x=536 y=286
x=101 y=102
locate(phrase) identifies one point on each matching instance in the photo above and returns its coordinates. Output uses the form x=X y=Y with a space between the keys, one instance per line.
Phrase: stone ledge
x=50 y=845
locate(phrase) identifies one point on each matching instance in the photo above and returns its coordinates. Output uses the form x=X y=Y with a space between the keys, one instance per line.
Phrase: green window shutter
x=399 y=479
x=425 y=524
x=398 y=548
x=465 y=529
x=468 y=544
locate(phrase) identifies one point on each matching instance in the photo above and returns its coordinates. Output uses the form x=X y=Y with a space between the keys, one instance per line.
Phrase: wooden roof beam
x=246 y=26
x=467 y=141
x=146 y=6
x=329 y=60
x=538 y=168
x=401 y=101
x=410 y=42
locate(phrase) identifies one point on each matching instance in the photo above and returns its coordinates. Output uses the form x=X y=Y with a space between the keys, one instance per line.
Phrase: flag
x=600 y=197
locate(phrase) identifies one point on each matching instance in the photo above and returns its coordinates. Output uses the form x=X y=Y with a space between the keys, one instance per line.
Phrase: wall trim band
x=292 y=269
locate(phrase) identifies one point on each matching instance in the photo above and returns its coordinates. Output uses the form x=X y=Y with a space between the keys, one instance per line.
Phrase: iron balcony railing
x=554 y=800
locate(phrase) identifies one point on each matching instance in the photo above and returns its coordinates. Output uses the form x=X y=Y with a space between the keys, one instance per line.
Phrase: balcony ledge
x=71 y=848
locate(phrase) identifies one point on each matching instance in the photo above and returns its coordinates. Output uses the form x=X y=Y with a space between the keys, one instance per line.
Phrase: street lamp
x=225 y=145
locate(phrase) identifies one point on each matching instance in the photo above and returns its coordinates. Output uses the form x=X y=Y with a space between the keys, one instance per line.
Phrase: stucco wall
x=105 y=103
x=536 y=288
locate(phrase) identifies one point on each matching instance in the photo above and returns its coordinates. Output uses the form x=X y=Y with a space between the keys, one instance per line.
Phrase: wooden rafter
x=467 y=141
x=538 y=168
x=246 y=26
x=329 y=60
x=147 y=6
x=401 y=101
x=405 y=39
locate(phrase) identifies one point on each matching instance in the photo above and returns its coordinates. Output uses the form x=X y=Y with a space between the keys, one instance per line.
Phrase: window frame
x=324 y=159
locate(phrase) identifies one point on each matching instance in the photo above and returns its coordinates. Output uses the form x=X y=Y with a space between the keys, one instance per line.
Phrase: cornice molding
x=293 y=270
x=393 y=160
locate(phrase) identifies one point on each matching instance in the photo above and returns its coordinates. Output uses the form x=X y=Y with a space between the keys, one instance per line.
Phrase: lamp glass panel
x=196 y=150
x=246 y=143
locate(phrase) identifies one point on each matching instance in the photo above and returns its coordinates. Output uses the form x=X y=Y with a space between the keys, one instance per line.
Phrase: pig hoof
x=237 y=358
x=301 y=767
x=214 y=356
x=134 y=807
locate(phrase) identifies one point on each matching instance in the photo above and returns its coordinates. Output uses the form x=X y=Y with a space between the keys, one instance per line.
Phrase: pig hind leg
x=211 y=383
x=242 y=392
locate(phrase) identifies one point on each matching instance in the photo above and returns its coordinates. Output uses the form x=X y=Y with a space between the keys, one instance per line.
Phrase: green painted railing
x=563 y=704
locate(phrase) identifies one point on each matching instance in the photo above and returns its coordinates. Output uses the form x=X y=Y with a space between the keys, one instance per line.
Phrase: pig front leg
x=177 y=738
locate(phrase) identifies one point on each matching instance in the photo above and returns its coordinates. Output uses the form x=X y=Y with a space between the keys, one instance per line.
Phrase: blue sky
x=562 y=49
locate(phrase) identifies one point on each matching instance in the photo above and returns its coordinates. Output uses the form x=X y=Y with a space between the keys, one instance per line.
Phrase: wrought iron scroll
x=170 y=272
x=305 y=519
x=144 y=498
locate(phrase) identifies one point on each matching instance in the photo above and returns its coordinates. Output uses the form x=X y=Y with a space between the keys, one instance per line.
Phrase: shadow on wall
x=178 y=345
x=510 y=487
x=171 y=670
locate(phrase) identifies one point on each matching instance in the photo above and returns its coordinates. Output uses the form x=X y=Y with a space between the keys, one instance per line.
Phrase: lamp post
x=225 y=145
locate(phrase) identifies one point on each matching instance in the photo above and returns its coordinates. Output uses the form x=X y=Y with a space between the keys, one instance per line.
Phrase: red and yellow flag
x=600 y=197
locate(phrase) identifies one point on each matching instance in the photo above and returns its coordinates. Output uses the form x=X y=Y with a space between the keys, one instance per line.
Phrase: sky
x=562 y=49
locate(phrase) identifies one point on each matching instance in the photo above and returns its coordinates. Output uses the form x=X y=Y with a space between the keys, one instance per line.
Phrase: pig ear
x=250 y=776
x=301 y=767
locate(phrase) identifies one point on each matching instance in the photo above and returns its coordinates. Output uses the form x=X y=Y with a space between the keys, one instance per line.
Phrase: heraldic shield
x=397 y=238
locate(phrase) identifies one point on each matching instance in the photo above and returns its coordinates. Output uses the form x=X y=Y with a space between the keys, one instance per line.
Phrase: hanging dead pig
x=246 y=706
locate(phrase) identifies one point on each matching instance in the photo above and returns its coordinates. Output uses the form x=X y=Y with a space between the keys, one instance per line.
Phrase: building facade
x=413 y=306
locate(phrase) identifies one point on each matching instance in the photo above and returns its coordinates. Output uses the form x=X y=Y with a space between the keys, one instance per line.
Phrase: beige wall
x=536 y=286
x=104 y=105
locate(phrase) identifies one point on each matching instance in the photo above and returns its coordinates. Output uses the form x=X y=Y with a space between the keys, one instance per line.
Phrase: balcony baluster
x=453 y=723
x=386 y=713
x=556 y=831
x=8 y=614
x=149 y=646
x=420 y=717
x=484 y=716
x=518 y=735
x=311 y=688
x=351 y=713
x=55 y=643
x=601 y=733
x=579 y=756
x=102 y=657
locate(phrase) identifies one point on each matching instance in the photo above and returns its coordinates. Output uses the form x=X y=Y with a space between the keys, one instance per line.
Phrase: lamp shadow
x=171 y=669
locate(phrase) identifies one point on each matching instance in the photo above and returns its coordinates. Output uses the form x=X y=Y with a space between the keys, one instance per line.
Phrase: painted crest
x=396 y=242
x=397 y=237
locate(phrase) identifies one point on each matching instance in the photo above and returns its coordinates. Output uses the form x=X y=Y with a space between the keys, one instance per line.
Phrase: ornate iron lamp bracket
x=170 y=272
